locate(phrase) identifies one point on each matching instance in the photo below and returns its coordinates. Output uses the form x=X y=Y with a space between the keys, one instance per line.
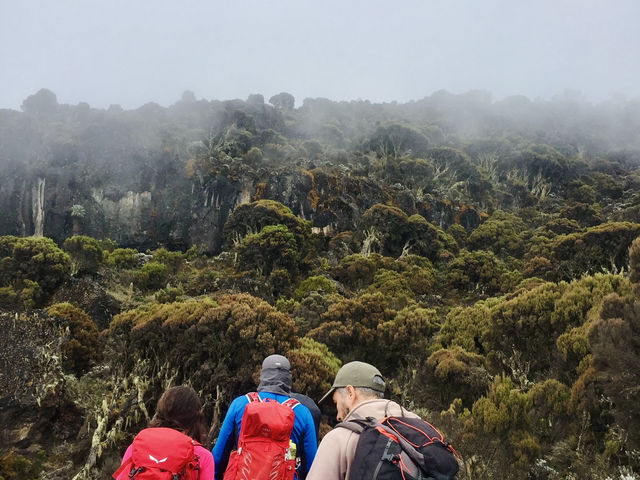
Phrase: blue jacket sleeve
x=227 y=437
x=309 y=439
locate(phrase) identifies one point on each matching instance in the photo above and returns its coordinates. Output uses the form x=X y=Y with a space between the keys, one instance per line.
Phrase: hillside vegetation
x=484 y=255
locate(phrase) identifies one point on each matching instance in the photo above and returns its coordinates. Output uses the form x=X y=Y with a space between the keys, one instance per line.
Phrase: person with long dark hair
x=178 y=410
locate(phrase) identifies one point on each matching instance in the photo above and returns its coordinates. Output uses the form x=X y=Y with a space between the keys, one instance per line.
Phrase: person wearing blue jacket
x=275 y=383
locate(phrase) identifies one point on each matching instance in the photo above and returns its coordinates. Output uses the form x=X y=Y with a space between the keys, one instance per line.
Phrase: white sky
x=131 y=52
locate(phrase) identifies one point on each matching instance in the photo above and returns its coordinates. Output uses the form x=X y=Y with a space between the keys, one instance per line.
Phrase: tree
x=398 y=140
x=77 y=215
x=43 y=102
x=283 y=101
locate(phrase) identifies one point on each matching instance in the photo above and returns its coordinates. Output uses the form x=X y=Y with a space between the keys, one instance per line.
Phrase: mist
x=132 y=53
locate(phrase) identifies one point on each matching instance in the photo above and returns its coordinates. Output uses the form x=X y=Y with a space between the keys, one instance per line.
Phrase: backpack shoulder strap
x=124 y=467
x=357 y=425
x=291 y=403
x=253 y=397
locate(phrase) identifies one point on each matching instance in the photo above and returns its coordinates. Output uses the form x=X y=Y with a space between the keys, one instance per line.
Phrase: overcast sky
x=131 y=52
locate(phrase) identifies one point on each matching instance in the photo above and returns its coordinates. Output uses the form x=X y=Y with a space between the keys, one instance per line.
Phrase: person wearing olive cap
x=275 y=384
x=358 y=392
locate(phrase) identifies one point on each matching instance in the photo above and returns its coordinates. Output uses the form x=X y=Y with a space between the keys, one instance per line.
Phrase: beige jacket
x=338 y=447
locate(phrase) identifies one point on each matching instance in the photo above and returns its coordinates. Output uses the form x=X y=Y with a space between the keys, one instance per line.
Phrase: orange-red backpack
x=161 y=454
x=264 y=441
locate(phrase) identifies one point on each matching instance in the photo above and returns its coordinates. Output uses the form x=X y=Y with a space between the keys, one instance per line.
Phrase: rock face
x=176 y=211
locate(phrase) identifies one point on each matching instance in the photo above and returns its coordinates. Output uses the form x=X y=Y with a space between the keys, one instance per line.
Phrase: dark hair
x=181 y=409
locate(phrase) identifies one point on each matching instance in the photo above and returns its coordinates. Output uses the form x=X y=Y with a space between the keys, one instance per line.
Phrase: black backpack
x=400 y=448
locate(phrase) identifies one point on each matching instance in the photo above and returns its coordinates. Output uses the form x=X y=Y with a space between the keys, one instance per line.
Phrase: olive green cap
x=357 y=374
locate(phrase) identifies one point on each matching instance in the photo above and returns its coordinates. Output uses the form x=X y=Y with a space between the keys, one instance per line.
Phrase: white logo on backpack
x=156 y=460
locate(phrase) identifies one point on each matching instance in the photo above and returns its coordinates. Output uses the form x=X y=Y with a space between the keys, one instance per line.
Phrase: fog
x=133 y=52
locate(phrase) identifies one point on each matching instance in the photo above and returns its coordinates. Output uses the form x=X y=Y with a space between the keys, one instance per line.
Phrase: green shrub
x=634 y=261
x=152 y=276
x=31 y=294
x=122 y=258
x=356 y=271
x=479 y=271
x=503 y=233
x=8 y=297
x=85 y=252
x=107 y=245
x=82 y=349
x=459 y=234
x=169 y=294
x=173 y=260
x=603 y=247
x=273 y=248
x=316 y=283
x=391 y=226
x=207 y=343
x=14 y=466
x=37 y=259
x=313 y=367
x=351 y=329
x=251 y=218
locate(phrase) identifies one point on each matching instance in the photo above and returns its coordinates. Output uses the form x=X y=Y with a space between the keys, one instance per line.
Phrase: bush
x=85 y=253
x=456 y=373
x=478 y=271
x=152 y=276
x=8 y=297
x=169 y=294
x=208 y=343
x=634 y=261
x=393 y=286
x=316 y=283
x=503 y=234
x=37 y=259
x=173 y=260
x=459 y=234
x=272 y=249
x=356 y=271
x=313 y=367
x=82 y=349
x=354 y=329
x=604 y=247
x=15 y=466
x=390 y=225
x=251 y=218
x=122 y=258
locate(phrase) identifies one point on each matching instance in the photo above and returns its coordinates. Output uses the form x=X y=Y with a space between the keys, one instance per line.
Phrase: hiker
x=274 y=388
x=358 y=391
x=172 y=439
x=308 y=402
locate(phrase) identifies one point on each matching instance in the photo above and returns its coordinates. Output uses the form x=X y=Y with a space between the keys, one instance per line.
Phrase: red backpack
x=161 y=453
x=264 y=441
